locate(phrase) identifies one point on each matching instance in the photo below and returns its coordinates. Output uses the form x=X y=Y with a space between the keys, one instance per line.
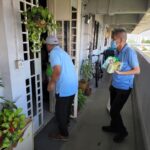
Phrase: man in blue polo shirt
x=122 y=83
x=64 y=80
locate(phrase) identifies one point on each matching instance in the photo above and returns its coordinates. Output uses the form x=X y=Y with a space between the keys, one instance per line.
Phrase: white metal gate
x=69 y=36
x=32 y=71
x=32 y=63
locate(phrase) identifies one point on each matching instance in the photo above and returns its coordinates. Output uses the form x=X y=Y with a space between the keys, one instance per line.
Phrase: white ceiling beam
x=127 y=6
x=143 y=25
x=113 y=7
x=121 y=19
x=129 y=28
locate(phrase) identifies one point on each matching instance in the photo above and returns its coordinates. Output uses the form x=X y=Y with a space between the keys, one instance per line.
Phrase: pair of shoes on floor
x=58 y=137
x=109 y=129
x=120 y=137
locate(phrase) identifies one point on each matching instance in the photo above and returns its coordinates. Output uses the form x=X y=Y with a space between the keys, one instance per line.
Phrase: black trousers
x=62 y=112
x=118 y=98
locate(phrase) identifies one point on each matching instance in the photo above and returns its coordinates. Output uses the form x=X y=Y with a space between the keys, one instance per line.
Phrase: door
x=32 y=70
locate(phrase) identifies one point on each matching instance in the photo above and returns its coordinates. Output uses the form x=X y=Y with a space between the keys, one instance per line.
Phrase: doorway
x=48 y=98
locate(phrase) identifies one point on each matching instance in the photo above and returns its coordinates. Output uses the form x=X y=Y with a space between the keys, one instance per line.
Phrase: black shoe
x=120 y=137
x=109 y=129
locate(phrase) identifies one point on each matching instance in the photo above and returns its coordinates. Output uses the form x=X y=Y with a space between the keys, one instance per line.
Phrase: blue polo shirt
x=67 y=84
x=128 y=57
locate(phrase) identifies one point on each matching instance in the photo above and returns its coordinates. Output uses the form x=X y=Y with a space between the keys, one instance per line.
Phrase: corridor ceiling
x=134 y=15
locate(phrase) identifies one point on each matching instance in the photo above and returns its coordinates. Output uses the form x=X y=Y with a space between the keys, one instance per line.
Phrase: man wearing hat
x=64 y=80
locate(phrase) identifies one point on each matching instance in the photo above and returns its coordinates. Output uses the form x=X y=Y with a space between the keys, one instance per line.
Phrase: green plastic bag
x=49 y=70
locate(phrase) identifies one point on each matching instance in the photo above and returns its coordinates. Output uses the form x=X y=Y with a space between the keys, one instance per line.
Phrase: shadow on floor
x=42 y=141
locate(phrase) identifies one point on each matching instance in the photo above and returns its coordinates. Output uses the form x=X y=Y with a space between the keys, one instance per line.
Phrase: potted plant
x=12 y=124
x=81 y=99
x=38 y=20
x=86 y=72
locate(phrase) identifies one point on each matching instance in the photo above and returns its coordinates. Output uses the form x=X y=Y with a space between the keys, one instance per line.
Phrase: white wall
x=142 y=97
x=1 y=88
x=86 y=38
x=4 y=67
x=1 y=91
x=87 y=34
x=10 y=51
x=101 y=38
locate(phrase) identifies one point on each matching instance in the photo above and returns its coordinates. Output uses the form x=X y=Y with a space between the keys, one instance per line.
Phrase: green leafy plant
x=86 y=70
x=81 y=98
x=12 y=123
x=7 y=104
x=38 y=20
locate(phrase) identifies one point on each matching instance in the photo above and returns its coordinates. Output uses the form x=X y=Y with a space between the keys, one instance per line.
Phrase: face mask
x=115 y=45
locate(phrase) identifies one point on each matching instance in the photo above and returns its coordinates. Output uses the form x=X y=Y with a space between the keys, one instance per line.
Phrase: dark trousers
x=118 y=98
x=62 y=112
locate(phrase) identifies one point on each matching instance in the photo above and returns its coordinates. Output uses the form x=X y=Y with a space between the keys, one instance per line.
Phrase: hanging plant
x=38 y=20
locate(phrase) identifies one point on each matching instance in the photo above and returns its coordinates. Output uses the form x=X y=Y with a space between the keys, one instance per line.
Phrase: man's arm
x=55 y=76
x=135 y=70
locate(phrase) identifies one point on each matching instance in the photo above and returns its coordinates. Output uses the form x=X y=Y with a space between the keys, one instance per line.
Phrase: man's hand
x=135 y=70
x=51 y=86
x=118 y=72
x=54 y=78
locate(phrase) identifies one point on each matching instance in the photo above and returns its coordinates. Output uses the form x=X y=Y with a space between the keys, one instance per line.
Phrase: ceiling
x=134 y=15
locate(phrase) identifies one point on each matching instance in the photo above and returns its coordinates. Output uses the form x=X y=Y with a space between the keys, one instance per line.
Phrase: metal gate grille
x=67 y=35
x=32 y=69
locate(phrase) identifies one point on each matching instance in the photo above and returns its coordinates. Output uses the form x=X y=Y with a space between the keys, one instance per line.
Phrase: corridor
x=86 y=133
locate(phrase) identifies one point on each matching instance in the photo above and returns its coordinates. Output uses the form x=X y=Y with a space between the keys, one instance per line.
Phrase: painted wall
x=1 y=88
x=142 y=97
x=10 y=51
x=87 y=37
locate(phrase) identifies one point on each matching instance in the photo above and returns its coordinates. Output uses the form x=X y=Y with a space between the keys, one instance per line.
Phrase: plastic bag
x=107 y=62
x=113 y=67
x=111 y=64
x=49 y=70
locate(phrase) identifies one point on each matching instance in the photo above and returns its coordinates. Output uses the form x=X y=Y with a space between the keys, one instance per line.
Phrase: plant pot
x=27 y=143
x=83 y=85
x=88 y=91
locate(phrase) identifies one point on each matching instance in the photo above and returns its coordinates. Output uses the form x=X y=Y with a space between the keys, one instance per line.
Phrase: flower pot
x=83 y=85
x=27 y=143
x=88 y=91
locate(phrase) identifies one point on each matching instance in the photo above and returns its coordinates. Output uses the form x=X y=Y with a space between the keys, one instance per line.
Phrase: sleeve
x=54 y=59
x=133 y=60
